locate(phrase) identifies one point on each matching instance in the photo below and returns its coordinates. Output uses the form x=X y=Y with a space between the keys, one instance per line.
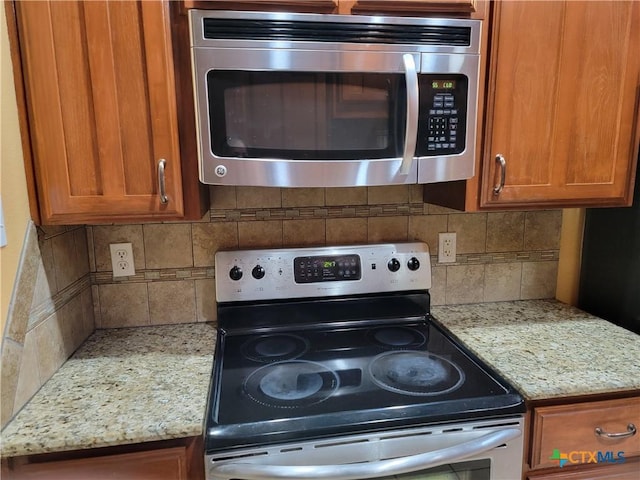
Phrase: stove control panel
x=247 y=275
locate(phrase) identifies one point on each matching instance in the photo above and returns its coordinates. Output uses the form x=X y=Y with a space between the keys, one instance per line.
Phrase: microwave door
x=350 y=121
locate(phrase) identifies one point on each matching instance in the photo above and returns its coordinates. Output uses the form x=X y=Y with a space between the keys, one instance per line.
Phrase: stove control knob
x=258 y=272
x=393 y=265
x=235 y=273
x=413 y=264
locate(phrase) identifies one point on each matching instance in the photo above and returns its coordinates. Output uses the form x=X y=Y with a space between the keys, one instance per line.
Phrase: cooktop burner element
x=291 y=384
x=398 y=337
x=415 y=373
x=304 y=352
x=275 y=348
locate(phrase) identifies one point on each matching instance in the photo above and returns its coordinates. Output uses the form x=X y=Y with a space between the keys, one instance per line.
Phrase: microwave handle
x=411 y=132
x=357 y=471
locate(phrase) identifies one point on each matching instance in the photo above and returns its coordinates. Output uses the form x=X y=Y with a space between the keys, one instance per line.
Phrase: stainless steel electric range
x=328 y=365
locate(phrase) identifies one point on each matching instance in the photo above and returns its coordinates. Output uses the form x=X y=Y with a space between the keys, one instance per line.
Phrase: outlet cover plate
x=122 y=259
x=447 y=247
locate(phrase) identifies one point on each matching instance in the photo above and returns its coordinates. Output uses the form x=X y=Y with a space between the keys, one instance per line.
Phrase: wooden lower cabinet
x=586 y=440
x=171 y=460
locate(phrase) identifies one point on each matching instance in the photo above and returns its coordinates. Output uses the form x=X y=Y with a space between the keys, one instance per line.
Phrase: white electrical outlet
x=122 y=259
x=447 y=247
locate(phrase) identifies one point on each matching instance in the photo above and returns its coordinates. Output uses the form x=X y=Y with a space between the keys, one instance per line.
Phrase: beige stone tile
x=222 y=197
x=432 y=209
x=82 y=252
x=344 y=196
x=505 y=231
x=172 y=302
x=11 y=360
x=206 y=306
x=45 y=286
x=95 y=297
x=208 y=238
x=72 y=324
x=258 y=197
x=416 y=193
x=302 y=197
x=91 y=248
x=425 y=228
x=105 y=235
x=502 y=281
x=88 y=312
x=300 y=233
x=471 y=230
x=438 y=285
x=260 y=234
x=346 y=231
x=24 y=287
x=392 y=194
x=388 y=229
x=64 y=259
x=539 y=280
x=168 y=245
x=542 y=230
x=123 y=305
x=50 y=347
x=464 y=284
x=29 y=381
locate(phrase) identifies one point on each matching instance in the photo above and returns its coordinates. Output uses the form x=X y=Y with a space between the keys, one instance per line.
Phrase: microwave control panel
x=443 y=115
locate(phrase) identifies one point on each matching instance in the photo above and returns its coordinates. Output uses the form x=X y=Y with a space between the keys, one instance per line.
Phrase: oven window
x=475 y=470
x=306 y=116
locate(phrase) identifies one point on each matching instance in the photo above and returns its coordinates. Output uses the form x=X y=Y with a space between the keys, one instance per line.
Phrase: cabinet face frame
x=564 y=163
x=108 y=187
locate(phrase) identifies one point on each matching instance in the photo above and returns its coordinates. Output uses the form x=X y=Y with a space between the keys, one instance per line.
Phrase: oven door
x=485 y=450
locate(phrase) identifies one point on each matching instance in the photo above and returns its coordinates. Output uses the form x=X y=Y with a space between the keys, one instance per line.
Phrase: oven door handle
x=357 y=471
x=411 y=129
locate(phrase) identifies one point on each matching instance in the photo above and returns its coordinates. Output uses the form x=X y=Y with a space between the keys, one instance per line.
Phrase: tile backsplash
x=51 y=313
x=500 y=255
x=65 y=288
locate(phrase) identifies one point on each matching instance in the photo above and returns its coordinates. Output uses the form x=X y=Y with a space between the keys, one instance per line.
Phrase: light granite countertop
x=151 y=383
x=122 y=386
x=547 y=349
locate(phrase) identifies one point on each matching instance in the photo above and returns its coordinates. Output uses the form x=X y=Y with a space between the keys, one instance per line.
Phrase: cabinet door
x=163 y=464
x=101 y=103
x=562 y=106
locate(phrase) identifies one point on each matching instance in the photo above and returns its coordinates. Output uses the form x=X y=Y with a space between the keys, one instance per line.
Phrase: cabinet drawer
x=571 y=430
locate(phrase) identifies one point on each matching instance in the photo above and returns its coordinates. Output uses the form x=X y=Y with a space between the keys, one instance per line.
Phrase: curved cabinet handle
x=357 y=471
x=411 y=128
x=631 y=431
x=162 y=188
x=503 y=174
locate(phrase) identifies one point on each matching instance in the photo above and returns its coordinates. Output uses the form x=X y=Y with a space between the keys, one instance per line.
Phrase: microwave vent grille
x=276 y=30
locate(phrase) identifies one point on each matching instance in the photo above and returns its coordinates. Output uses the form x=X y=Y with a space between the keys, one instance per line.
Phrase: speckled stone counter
x=122 y=386
x=547 y=349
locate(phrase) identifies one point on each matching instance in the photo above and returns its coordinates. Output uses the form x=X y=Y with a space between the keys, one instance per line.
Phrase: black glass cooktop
x=278 y=378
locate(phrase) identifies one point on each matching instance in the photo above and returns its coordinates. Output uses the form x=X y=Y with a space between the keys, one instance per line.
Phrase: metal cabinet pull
x=162 y=188
x=503 y=174
x=631 y=431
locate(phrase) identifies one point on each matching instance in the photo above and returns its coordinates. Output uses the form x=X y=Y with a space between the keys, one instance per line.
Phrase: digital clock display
x=443 y=84
x=328 y=263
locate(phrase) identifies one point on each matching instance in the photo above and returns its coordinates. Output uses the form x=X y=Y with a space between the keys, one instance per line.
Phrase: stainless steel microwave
x=306 y=100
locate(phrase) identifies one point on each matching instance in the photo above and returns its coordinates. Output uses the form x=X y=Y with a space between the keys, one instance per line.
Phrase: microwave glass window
x=301 y=115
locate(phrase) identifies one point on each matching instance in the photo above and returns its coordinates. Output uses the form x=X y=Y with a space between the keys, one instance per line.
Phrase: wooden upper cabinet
x=301 y=6
x=417 y=7
x=562 y=104
x=101 y=107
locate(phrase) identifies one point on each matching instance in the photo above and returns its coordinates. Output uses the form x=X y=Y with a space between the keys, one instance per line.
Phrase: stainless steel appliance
x=328 y=365
x=304 y=100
